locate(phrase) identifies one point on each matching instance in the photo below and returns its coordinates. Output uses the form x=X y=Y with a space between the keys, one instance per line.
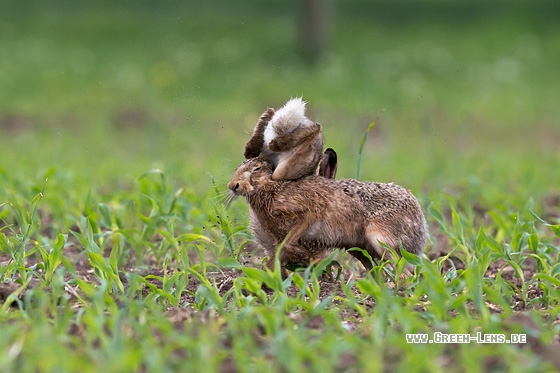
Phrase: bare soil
x=253 y=256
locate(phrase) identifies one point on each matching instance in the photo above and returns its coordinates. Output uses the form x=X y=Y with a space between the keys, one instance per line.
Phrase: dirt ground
x=253 y=256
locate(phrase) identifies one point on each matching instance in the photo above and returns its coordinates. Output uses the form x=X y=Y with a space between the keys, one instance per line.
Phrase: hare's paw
x=267 y=115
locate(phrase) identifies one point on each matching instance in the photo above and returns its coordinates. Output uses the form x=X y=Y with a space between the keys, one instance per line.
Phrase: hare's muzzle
x=234 y=187
x=240 y=188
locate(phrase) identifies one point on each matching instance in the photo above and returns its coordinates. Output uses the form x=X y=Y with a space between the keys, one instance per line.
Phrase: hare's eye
x=257 y=169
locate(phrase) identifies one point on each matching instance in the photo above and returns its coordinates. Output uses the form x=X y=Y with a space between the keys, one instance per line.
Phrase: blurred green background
x=467 y=93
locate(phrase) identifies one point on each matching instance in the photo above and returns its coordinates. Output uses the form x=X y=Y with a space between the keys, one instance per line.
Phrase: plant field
x=121 y=125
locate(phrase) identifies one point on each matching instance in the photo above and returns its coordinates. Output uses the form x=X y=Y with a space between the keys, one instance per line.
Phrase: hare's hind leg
x=255 y=144
x=368 y=265
x=376 y=238
x=301 y=152
x=284 y=143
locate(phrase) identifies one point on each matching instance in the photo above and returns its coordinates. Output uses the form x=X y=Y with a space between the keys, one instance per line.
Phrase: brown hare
x=314 y=214
x=291 y=142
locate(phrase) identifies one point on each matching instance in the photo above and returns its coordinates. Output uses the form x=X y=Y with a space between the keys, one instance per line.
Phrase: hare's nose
x=233 y=188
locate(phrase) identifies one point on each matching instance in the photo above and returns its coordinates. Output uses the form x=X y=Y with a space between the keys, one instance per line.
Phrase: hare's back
x=380 y=198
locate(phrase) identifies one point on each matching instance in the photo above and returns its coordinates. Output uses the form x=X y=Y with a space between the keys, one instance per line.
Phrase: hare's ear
x=327 y=166
x=255 y=144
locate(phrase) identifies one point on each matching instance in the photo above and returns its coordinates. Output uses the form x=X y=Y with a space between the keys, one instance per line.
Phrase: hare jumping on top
x=314 y=214
x=291 y=142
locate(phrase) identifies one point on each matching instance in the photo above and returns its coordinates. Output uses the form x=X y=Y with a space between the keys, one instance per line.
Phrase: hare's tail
x=286 y=119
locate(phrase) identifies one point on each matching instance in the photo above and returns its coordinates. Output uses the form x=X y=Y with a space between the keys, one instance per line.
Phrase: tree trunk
x=313 y=29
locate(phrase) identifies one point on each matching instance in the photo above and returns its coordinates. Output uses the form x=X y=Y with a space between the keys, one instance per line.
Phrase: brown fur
x=302 y=153
x=313 y=214
x=255 y=144
x=293 y=155
x=303 y=150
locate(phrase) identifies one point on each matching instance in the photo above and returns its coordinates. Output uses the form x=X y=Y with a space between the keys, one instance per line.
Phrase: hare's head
x=249 y=176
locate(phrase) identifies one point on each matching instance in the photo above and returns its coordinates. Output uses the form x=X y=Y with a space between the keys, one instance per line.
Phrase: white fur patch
x=286 y=119
x=375 y=236
x=315 y=231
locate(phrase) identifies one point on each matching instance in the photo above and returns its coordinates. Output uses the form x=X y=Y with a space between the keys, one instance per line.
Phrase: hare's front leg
x=295 y=256
x=291 y=251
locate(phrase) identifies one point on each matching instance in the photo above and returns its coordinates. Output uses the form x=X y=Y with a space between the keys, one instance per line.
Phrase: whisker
x=229 y=199
x=221 y=197
x=224 y=197
x=219 y=188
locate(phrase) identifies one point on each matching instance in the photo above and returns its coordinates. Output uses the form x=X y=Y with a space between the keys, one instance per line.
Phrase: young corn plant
x=105 y=269
x=235 y=237
x=362 y=144
x=52 y=257
x=163 y=215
